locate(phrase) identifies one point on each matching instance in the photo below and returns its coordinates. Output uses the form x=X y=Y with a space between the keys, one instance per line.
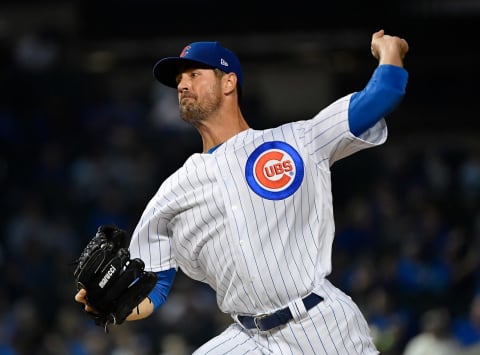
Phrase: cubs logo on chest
x=274 y=170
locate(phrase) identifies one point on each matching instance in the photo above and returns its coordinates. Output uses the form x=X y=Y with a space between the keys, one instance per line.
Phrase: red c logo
x=264 y=173
x=274 y=170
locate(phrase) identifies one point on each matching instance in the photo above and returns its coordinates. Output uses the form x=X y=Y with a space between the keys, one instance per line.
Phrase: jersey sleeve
x=327 y=136
x=151 y=240
x=162 y=288
x=384 y=91
x=356 y=121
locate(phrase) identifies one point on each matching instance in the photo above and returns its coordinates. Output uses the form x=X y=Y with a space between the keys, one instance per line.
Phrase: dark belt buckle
x=257 y=318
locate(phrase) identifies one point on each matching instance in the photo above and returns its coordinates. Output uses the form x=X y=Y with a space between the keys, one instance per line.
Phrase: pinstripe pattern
x=334 y=327
x=258 y=253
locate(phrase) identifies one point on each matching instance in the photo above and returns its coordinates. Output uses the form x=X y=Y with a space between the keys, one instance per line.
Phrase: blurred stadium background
x=87 y=136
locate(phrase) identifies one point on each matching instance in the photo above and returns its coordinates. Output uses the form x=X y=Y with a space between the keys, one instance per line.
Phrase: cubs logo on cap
x=185 y=51
x=274 y=170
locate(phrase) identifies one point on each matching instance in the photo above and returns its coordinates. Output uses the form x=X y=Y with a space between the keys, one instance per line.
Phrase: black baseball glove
x=115 y=284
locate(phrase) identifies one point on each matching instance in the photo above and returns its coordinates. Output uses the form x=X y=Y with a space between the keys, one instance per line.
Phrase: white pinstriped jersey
x=254 y=219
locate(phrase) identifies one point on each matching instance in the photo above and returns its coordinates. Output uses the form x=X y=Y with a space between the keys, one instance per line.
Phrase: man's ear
x=230 y=82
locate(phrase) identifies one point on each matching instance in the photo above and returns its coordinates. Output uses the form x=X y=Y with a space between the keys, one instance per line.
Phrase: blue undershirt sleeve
x=159 y=294
x=384 y=91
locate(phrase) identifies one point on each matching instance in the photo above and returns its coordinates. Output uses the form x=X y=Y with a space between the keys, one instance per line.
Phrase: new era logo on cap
x=212 y=54
x=223 y=62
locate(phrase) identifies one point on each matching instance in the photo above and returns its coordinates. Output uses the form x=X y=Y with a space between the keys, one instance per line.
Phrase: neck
x=217 y=130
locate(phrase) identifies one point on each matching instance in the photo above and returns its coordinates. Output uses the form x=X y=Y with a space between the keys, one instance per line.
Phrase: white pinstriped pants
x=333 y=327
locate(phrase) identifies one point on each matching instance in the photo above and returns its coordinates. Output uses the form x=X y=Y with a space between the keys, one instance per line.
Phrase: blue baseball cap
x=211 y=54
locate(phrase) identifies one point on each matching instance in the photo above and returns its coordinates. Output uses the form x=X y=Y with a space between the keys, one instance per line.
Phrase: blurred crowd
x=75 y=153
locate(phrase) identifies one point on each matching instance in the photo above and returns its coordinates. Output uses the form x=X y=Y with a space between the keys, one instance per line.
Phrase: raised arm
x=386 y=88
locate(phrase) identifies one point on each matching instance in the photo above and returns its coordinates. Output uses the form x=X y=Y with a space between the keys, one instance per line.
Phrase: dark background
x=87 y=136
x=297 y=35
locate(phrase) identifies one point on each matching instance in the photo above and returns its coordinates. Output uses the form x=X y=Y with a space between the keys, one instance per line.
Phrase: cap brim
x=167 y=69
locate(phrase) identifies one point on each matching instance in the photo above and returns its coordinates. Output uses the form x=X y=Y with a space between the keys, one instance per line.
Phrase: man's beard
x=193 y=112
